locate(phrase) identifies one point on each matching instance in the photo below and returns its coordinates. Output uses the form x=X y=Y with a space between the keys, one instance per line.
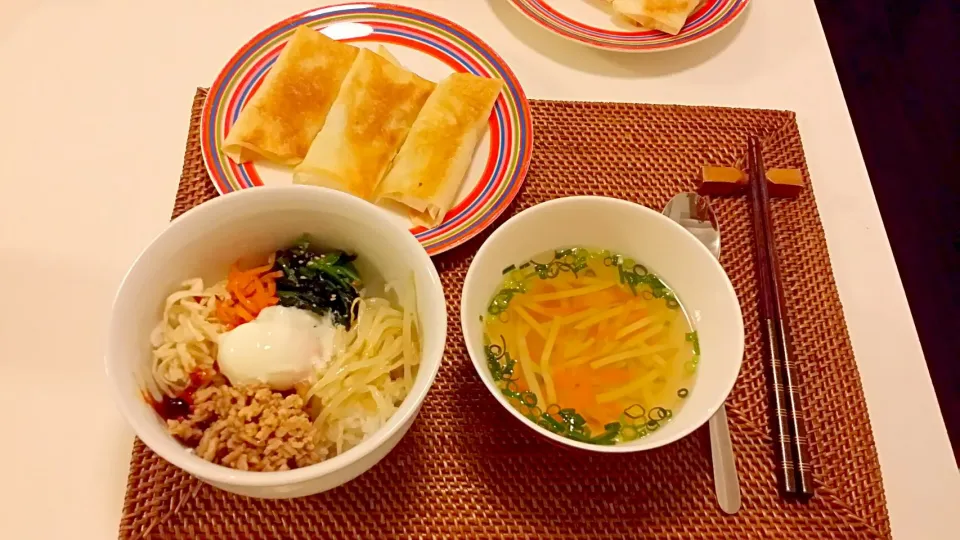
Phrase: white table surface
x=95 y=102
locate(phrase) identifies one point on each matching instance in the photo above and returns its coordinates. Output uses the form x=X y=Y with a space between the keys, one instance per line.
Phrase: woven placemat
x=467 y=469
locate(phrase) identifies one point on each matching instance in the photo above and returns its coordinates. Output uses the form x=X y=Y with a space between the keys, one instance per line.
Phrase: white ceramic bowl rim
x=479 y=360
x=171 y=450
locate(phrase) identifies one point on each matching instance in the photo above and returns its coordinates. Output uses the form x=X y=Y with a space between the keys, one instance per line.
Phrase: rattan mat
x=467 y=469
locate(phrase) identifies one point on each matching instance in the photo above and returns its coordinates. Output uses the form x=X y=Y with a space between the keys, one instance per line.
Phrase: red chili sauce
x=180 y=406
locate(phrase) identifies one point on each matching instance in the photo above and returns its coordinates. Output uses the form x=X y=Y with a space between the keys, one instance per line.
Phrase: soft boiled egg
x=281 y=347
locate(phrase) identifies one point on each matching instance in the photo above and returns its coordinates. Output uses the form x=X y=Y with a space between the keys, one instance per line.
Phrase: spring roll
x=430 y=167
x=665 y=15
x=287 y=111
x=370 y=119
x=385 y=52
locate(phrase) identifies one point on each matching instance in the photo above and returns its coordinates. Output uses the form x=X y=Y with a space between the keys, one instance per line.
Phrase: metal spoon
x=693 y=212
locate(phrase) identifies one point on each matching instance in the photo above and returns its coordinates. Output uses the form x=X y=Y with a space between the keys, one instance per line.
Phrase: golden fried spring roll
x=385 y=52
x=665 y=15
x=370 y=119
x=287 y=111
x=431 y=164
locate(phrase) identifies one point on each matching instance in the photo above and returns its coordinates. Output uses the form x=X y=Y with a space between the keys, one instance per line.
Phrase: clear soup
x=590 y=345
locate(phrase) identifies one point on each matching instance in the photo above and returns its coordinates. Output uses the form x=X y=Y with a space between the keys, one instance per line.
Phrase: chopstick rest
x=724 y=181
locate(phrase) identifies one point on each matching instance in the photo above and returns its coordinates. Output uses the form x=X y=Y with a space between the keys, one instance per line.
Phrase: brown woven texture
x=467 y=469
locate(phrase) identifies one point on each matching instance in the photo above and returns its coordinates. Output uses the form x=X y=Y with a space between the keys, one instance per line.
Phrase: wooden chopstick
x=793 y=453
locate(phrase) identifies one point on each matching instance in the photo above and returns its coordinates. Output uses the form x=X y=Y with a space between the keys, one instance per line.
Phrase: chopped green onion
x=694 y=338
x=550 y=423
x=635 y=411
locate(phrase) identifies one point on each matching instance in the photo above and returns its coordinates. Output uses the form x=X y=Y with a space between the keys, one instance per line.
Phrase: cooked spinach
x=319 y=282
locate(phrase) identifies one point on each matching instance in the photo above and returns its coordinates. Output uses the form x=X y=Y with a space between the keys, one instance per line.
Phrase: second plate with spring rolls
x=637 y=26
x=431 y=126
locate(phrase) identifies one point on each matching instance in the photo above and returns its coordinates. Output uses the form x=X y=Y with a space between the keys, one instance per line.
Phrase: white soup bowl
x=653 y=240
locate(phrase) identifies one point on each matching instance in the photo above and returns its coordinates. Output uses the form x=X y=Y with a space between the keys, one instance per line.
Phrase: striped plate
x=426 y=44
x=593 y=23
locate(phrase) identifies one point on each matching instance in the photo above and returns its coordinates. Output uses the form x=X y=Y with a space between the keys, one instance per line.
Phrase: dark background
x=898 y=62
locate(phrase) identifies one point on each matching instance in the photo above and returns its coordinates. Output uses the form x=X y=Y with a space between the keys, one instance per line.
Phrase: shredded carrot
x=251 y=291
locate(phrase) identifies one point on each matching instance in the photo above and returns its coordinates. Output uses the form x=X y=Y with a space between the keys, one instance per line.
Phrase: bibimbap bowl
x=204 y=243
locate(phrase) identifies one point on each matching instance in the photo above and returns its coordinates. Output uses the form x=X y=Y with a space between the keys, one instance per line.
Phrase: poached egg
x=280 y=348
